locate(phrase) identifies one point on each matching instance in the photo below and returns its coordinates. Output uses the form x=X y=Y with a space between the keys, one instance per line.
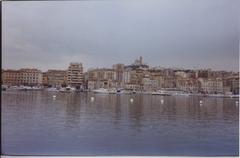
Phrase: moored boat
x=159 y=92
x=52 y=90
x=101 y=90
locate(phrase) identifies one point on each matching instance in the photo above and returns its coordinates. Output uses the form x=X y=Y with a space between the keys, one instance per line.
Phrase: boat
x=67 y=89
x=112 y=91
x=24 y=88
x=159 y=92
x=62 y=90
x=101 y=90
x=52 y=90
x=36 y=88
x=4 y=88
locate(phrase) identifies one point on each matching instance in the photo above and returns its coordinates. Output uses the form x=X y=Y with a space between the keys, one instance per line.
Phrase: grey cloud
x=100 y=33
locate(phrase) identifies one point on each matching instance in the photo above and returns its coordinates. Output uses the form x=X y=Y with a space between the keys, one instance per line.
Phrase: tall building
x=75 y=75
x=119 y=69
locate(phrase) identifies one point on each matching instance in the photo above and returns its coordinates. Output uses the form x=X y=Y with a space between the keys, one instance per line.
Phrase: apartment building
x=75 y=75
x=11 y=77
x=56 y=78
x=211 y=85
x=102 y=78
x=30 y=77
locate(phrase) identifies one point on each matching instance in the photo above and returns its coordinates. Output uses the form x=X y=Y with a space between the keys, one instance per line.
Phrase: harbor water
x=55 y=123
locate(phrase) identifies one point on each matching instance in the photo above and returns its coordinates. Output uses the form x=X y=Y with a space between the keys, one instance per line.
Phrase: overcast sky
x=168 y=33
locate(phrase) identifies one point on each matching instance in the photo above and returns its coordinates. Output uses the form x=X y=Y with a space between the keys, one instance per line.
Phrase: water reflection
x=75 y=119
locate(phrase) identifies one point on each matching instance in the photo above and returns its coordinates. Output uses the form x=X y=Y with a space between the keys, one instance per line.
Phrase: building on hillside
x=138 y=64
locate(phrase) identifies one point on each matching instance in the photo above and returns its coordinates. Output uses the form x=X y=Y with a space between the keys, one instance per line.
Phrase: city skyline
x=103 y=33
x=111 y=67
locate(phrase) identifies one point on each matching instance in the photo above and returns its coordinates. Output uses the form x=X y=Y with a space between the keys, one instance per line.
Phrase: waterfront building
x=27 y=77
x=233 y=83
x=158 y=75
x=85 y=80
x=149 y=84
x=75 y=75
x=211 y=85
x=56 y=78
x=119 y=70
x=134 y=87
x=102 y=78
x=45 y=79
x=169 y=81
x=30 y=77
x=126 y=75
x=188 y=84
x=11 y=77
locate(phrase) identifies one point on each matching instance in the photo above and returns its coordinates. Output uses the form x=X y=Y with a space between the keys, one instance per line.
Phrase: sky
x=168 y=33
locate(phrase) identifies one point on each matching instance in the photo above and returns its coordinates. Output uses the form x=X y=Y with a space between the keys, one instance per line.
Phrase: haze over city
x=184 y=34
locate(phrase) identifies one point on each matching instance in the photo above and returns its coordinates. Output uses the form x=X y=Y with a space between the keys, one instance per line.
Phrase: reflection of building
x=56 y=78
x=75 y=75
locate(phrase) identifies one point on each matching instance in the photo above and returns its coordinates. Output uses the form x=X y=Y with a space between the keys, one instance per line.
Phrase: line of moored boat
x=119 y=91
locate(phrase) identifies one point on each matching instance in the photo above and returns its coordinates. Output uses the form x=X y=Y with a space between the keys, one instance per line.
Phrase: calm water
x=33 y=123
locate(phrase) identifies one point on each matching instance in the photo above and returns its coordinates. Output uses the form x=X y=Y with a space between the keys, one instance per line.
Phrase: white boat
x=24 y=88
x=15 y=88
x=52 y=90
x=62 y=90
x=159 y=92
x=184 y=94
x=121 y=91
x=36 y=88
x=4 y=87
x=101 y=90
x=112 y=91
x=67 y=89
